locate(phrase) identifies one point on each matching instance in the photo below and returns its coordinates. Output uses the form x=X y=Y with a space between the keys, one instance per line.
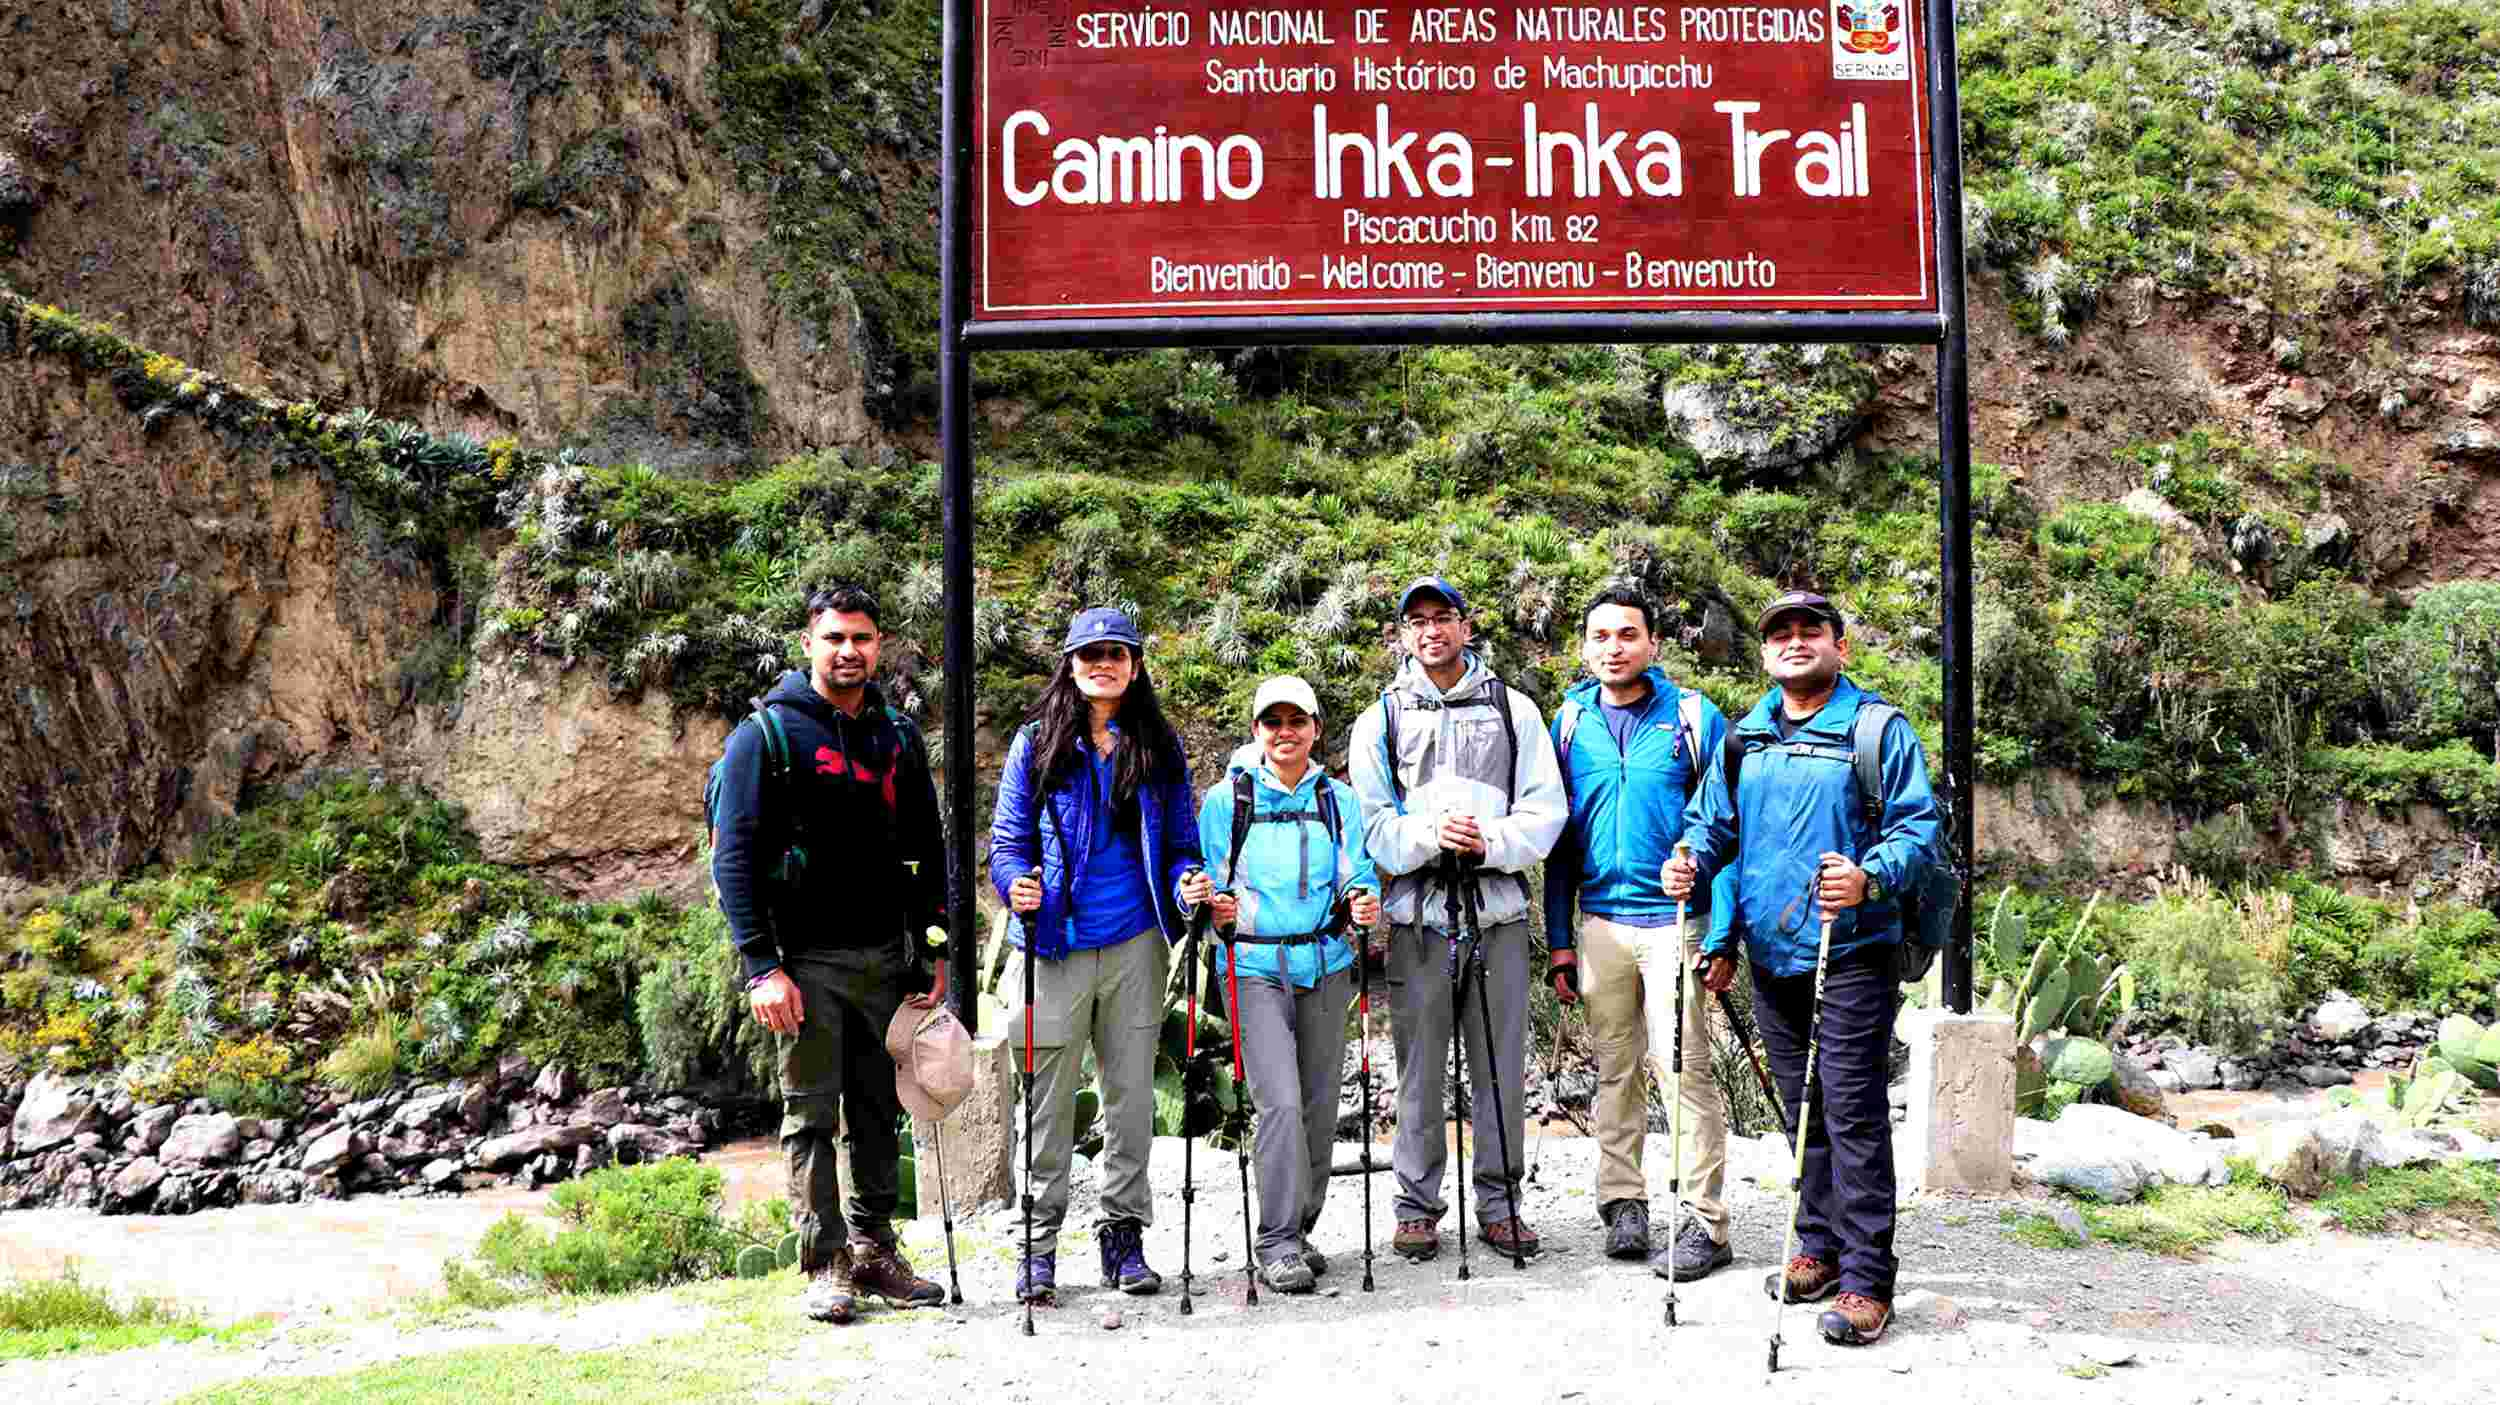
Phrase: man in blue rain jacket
x=1796 y=830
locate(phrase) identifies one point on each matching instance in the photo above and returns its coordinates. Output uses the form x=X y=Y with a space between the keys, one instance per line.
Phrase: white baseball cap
x=1284 y=688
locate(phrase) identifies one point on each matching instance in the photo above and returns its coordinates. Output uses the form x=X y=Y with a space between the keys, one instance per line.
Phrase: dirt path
x=2326 y=1318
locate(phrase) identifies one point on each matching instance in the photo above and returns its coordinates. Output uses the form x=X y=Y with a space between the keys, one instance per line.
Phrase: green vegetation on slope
x=352 y=934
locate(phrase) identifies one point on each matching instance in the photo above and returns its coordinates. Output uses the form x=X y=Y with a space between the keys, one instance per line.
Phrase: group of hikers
x=1673 y=842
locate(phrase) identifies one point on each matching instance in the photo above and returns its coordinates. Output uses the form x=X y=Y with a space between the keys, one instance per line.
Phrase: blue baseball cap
x=1101 y=625
x=1431 y=585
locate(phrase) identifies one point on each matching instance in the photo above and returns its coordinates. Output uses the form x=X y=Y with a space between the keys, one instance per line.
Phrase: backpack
x=1688 y=721
x=1927 y=907
x=1245 y=805
x=792 y=862
x=1497 y=698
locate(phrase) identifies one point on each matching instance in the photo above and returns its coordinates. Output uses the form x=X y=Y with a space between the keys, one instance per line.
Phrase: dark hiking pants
x=1845 y=1209
x=836 y=1077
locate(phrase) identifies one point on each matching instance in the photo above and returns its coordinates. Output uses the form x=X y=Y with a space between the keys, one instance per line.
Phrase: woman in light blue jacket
x=1286 y=844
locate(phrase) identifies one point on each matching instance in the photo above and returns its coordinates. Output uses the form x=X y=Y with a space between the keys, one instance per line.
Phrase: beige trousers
x=1627 y=983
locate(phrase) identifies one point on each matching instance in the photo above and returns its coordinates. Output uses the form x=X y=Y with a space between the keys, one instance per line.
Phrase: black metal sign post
x=959 y=335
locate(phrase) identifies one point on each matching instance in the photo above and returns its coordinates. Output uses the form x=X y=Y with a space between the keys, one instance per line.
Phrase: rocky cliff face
x=500 y=217
x=190 y=612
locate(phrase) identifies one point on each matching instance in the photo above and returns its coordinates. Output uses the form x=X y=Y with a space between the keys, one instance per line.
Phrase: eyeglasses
x=1425 y=624
x=1102 y=653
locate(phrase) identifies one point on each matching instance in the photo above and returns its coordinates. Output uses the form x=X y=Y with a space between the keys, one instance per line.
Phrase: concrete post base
x=980 y=1136
x=1960 y=1132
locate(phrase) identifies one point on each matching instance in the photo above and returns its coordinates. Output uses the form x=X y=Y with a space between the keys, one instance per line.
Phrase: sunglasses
x=1102 y=653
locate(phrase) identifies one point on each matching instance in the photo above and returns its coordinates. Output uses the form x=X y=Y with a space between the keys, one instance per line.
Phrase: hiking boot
x=881 y=1269
x=1627 y=1229
x=1693 y=1255
x=1809 y=1280
x=1314 y=1260
x=1037 y=1280
x=831 y=1296
x=1123 y=1245
x=1418 y=1240
x=1288 y=1274
x=1511 y=1235
x=1855 y=1319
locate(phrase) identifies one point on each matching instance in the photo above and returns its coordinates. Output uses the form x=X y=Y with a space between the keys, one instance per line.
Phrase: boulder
x=2049 y=1155
x=334 y=1151
x=2306 y=1157
x=635 y=1143
x=197 y=1140
x=272 y=1188
x=2339 y=1017
x=442 y=1173
x=555 y=1084
x=149 y=1129
x=421 y=1113
x=2163 y=1154
x=605 y=1108
x=477 y=1107
x=514 y=1072
x=505 y=1151
x=2325 y=1075
x=53 y=1111
x=136 y=1182
x=2137 y=1092
x=2197 y=1069
x=258 y=1149
x=2166 y=1080
x=2240 y=1077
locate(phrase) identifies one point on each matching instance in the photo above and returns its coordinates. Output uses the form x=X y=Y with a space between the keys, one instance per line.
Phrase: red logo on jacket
x=830 y=762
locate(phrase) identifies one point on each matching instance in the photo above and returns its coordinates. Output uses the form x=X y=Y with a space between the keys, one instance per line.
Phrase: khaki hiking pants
x=1627 y=984
x=1110 y=998
x=838 y=1080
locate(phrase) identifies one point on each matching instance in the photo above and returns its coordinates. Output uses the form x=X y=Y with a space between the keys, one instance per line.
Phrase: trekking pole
x=1363 y=1036
x=1462 y=1104
x=1805 y=1115
x=946 y=1205
x=1744 y=1038
x=1493 y=1062
x=1241 y=1127
x=1675 y=1106
x=1189 y=1059
x=1031 y=1290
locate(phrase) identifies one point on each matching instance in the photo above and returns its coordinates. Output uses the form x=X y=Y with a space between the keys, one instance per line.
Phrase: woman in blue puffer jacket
x=1093 y=848
x=1286 y=842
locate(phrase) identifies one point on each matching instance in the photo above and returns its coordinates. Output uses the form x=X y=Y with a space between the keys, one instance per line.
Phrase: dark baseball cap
x=1101 y=625
x=1800 y=602
x=1431 y=585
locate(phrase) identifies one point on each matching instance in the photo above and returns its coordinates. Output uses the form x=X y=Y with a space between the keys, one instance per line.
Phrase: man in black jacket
x=830 y=860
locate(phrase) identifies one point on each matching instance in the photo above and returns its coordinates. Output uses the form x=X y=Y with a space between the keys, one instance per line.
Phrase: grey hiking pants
x=1293 y=1050
x=1111 y=998
x=1421 y=1008
x=837 y=1079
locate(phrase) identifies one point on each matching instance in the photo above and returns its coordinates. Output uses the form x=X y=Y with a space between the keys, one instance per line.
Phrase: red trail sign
x=1194 y=159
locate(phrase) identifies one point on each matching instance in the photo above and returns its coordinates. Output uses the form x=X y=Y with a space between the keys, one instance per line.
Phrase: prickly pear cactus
x=754 y=1261
x=786 y=1253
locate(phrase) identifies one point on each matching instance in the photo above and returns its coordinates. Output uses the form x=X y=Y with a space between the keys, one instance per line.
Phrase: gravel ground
x=1984 y=1317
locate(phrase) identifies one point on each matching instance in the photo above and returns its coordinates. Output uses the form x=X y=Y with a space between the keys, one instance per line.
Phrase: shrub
x=55 y=938
x=624 y=1228
x=690 y=1010
x=2436 y=673
x=45 y=1304
x=2211 y=963
x=366 y=1063
x=2221 y=849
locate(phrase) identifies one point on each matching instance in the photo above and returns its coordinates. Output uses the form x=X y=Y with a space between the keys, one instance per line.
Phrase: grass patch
x=2179 y=1221
x=688 y=1368
x=2182 y=1220
x=2038 y=1231
x=58 y=1316
x=2385 y=1200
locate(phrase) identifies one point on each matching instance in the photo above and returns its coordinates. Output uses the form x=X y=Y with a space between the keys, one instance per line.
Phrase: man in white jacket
x=1456 y=775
